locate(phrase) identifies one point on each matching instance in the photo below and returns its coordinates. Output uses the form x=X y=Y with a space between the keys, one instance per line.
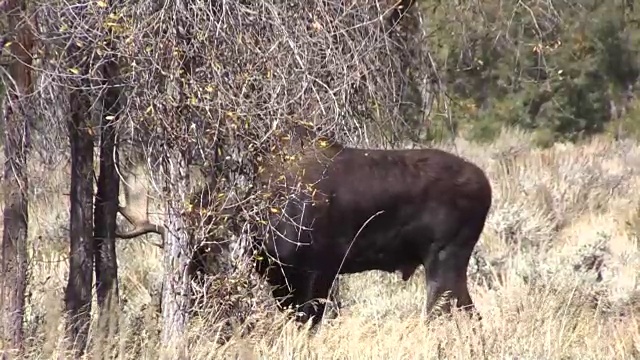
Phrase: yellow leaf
x=149 y=110
x=274 y=210
x=194 y=100
x=7 y=44
x=306 y=123
x=209 y=88
x=75 y=71
x=101 y=4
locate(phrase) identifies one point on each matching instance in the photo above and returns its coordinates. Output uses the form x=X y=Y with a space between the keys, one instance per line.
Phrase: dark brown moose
x=350 y=210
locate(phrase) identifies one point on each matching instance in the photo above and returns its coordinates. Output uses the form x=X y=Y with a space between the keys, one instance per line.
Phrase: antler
x=136 y=210
x=141 y=225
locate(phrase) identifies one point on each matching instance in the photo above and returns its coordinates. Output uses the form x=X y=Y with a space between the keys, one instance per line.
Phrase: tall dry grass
x=555 y=274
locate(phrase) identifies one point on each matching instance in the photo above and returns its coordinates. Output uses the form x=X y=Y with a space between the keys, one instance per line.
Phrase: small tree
x=78 y=293
x=106 y=202
x=17 y=117
x=106 y=209
x=176 y=290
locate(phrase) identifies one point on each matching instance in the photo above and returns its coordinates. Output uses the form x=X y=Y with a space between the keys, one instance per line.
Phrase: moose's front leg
x=312 y=299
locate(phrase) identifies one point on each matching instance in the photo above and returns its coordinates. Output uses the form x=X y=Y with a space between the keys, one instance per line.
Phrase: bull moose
x=351 y=210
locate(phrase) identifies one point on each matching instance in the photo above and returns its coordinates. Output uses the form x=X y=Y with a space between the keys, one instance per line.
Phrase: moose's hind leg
x=446 y=273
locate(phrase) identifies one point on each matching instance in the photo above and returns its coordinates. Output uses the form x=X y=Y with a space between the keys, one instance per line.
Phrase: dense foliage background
x=563 y=69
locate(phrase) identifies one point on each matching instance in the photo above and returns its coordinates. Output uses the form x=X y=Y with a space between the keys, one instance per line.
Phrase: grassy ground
x=555 y=274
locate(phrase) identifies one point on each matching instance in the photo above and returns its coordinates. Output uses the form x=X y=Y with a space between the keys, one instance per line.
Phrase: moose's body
x=349 y=210
x=390 y=210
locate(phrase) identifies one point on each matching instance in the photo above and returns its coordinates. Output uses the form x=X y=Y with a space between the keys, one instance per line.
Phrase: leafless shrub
x=217 y=83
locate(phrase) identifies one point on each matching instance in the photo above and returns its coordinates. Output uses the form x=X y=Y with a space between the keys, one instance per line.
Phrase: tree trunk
x=176 y=285
x=13 y=274
x=106 y=210
x=78 y=292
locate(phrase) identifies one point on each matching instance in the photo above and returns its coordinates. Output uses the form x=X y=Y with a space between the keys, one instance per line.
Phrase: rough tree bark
x=79 y=285
x=17 y=116
x=106 y=207
x=175 y=286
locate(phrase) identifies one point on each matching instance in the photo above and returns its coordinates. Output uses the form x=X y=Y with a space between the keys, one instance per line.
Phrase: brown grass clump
x=555 y=274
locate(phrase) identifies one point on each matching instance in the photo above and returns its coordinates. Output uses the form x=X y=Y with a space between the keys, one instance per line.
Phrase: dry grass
x=555 y=274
